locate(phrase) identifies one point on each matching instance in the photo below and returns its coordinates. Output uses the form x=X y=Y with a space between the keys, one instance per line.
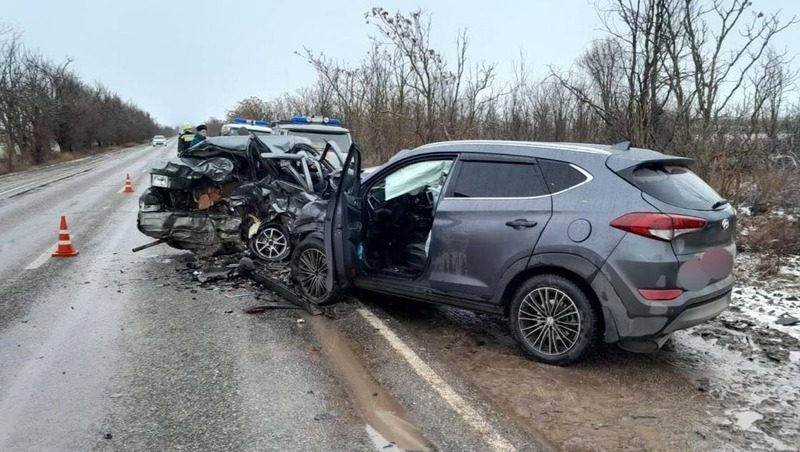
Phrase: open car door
x=343 y=225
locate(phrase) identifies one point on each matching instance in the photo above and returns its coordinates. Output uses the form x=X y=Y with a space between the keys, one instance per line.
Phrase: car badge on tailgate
x=725 y=224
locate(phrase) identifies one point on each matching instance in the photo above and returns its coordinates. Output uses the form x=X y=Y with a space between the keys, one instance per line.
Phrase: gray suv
x=573 y=243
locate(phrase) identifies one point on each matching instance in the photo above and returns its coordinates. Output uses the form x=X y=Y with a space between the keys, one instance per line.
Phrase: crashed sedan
x=231 y=192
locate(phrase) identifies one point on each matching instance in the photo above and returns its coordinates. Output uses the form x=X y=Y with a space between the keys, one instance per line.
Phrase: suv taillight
x=659 y=226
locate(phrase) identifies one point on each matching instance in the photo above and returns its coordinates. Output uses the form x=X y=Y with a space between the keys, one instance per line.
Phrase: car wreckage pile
x=230 y=193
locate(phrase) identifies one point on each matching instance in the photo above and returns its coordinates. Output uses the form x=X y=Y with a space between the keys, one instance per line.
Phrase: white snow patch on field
x=764 y=300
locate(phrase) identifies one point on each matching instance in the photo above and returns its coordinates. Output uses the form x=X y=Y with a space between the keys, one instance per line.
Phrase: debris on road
x=214 y=275
x=703 y=384
x=787 y=320
x=266 y=307
x=279 y=285
x=147 y=245
x=325 y=416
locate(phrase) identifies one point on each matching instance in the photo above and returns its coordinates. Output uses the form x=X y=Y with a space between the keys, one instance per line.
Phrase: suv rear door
x=704 y=255
x=492 y=214
x=674 y=188
x=343 y=223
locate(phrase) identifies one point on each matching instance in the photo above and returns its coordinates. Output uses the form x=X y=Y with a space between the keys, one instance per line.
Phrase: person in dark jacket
x=202 y=134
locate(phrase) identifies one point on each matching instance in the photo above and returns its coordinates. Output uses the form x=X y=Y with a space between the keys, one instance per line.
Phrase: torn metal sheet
x=247 y=269
x=203 y=233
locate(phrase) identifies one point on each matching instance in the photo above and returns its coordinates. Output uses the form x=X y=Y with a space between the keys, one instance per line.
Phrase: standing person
x=185 y=138
x=202 y=134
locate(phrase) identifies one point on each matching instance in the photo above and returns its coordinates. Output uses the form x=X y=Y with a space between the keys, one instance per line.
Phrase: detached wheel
x=271 y=243
x=553 y=320
x=310 y=270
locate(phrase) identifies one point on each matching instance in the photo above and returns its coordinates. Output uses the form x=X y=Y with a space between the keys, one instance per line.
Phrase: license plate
x=157 y=180
x=149 y=207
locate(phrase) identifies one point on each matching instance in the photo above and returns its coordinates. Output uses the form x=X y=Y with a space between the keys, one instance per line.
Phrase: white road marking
x=43 y=181
x=492 y=438
x=45 y=256
x=381 y=444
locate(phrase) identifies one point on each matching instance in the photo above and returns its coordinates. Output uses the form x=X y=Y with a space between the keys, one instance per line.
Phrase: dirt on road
x=729 y=384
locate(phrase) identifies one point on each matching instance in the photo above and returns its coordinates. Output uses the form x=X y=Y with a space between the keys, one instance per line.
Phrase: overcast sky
x=184 y=61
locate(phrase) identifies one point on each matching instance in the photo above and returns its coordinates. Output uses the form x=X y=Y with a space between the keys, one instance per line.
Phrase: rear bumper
x=184 y=229
x=644 y=326
x=699 y=313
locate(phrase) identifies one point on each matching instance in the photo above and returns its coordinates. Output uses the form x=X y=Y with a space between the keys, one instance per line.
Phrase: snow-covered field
x=764 y=300
x=748 y=361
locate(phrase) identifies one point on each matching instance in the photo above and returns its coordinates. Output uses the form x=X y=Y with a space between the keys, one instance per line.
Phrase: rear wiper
x=719 y=204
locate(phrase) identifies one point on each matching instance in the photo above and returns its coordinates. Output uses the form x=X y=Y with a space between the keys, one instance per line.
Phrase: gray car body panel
x=575 y=236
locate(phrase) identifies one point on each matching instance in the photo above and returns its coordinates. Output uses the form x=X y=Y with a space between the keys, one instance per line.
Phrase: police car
x=319 y=130
x=242 y=126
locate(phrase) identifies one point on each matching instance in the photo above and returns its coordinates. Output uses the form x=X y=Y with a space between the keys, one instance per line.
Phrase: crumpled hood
x=217 y=169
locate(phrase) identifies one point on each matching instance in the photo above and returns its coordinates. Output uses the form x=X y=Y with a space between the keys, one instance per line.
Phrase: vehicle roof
x=615 y=157
x=311 y=128
x=238 y=144
x=234 y=125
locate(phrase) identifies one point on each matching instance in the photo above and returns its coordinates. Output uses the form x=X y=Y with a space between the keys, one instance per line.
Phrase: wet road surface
x=113 y=350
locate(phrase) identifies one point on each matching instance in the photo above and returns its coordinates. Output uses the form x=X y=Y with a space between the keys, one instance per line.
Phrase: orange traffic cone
x=64 y=248
x=128 y=184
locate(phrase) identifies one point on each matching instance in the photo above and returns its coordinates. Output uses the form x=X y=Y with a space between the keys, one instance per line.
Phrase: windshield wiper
x=720 y=203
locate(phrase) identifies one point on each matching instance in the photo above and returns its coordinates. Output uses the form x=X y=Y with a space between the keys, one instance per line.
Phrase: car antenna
x=622 y=146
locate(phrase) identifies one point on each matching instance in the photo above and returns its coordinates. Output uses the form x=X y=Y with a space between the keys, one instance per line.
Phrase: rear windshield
x=675 y=185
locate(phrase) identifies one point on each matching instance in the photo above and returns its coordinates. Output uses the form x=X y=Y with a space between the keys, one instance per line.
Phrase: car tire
x=309 y=269
x=271 y=243
x=553 y=320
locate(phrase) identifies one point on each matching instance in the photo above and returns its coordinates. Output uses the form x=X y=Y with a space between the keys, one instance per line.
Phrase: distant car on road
x=573 y=243
x=159 y=140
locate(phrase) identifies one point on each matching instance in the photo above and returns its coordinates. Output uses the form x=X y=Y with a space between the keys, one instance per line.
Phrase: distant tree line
x=687 y=77
x=45 y=106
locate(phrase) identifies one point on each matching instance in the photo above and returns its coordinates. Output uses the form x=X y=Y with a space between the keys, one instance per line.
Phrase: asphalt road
x=112 y=350
x=119 y=351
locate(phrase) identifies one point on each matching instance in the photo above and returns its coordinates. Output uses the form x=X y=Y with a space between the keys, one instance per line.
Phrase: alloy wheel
x=312 y=270
x=549 y=321
x=271 y=244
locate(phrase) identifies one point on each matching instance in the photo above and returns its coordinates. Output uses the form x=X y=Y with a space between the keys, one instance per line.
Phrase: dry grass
x=767 y=190
x=769 y=234
x=769 y=265
x=66 y=157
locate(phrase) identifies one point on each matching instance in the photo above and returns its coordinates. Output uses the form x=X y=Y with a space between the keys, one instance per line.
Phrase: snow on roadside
x=764 y=300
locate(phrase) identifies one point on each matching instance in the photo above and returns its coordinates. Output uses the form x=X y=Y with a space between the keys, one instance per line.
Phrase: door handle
x=521 y=223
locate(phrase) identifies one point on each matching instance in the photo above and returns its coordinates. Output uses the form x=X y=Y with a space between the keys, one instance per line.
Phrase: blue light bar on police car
x=334 y=122
x=238 y=120
x=300 y=120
